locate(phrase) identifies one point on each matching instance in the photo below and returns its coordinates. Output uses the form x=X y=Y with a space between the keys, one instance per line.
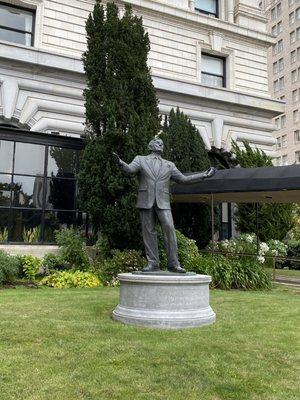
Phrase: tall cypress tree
x=275 y=220
x=121 y=116
x=184 y=146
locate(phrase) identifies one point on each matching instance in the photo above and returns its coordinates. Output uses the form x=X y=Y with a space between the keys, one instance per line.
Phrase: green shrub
x=293 y=252
x=9 y=267
x=31 y=266
x=233 y=273
x=188 y=251
x=69 y=279
x=52 y=262
x=31 y=235
x=71 y=248
x=122 y=261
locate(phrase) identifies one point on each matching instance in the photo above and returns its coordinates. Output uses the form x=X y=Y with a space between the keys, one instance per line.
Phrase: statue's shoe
x=177 y=269
x=151 y=268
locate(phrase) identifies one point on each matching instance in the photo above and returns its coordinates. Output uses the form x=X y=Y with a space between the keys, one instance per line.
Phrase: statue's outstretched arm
x=178 y=177
x=131 y=168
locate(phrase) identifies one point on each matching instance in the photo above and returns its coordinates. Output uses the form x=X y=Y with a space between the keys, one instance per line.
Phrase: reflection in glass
x=6 y=156
x=28 y=191
x=23 y=221
x=12 y=17
x=15 y=37
x=29 y=159
x=62 y=162
x=60 y=194
x=57 y=220
x=5 y=187
x=4 y=221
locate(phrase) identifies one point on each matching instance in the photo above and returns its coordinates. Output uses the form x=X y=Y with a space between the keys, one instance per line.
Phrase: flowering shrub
x=247 y=244
x=69 y=279
x=233 y=273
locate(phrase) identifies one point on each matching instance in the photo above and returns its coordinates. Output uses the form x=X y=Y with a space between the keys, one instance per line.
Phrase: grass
x=63 y=345
x=291 y=273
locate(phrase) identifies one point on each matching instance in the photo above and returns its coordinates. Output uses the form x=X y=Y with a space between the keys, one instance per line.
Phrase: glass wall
x=37 y=191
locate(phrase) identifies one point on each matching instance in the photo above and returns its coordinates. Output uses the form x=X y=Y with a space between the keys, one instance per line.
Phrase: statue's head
x=156 y=145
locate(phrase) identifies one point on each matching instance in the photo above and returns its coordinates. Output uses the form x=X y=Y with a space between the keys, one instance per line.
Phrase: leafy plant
x=184 y=146
x=188 y=251
x=122 y=115
x=71 y=248
x=3 y=235
x=53 y=262
x=293 y=252
x=275 y=220
x=31 y=235
x=234 y=273
x=31 y=266
x=122 y=261
x=69 y=279
x=9 y=267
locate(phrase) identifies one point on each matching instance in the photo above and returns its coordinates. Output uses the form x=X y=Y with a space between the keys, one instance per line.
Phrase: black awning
x=244 y=185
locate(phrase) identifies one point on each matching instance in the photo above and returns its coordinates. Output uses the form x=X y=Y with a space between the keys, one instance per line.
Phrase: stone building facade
x=209 y=57
x=284 y=76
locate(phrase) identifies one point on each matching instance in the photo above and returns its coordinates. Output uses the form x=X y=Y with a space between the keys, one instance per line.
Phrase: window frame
x=224 y=85
x=217 y=15
x=32 y=11
x=47 y=141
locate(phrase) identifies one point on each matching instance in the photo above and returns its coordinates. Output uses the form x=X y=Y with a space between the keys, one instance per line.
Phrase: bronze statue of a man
x=155 y=175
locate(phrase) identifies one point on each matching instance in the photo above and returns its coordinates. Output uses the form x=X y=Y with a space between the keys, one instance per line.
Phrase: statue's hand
x=210 y=172
x=116 y=158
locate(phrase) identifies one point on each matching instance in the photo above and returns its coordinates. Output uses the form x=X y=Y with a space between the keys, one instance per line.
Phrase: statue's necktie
x=156 y=165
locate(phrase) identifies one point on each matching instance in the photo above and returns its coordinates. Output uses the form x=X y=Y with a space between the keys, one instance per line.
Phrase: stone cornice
x=21 y=55
x=199 y=20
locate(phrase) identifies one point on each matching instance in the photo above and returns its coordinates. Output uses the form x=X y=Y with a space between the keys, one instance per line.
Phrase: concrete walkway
x=288 y=281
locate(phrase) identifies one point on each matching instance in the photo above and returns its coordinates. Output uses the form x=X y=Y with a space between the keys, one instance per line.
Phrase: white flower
x=261 y=259
x=263 y=248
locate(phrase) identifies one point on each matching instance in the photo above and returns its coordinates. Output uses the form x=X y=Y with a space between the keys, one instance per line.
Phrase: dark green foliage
x=71 y=250
x=121 y=261
x=53 y=262
x=293 y=252
x=275 y=220
x=9 y=267
x=184 y=146
x=234 y=273
x=121 y=116
x=188 y=251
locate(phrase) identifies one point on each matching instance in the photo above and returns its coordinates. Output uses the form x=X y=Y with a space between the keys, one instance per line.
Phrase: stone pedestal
x=164 y=300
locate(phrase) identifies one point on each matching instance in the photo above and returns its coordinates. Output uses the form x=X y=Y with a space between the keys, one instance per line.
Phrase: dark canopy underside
x=244 y=185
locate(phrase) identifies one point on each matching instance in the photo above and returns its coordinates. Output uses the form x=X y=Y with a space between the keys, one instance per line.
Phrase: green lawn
x=291 y=273
x=62 y=344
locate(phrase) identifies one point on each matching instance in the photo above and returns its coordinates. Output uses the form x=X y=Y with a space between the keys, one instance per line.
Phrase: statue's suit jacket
x=154 y=186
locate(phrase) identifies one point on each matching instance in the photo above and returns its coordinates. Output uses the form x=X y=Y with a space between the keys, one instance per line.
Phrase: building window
x=209 y=7
x=284 y=141
x=281 y=83
x=291 y=2
x=291 y=18
x=278 y=143
x=297 y=157
x=296 y=116
x=281 y=64
x=16 y=24
x=278 y=47
x=298 y=33
x=297 y=12
x=283 y=121
x=212 y=70
x=292 y=37
x=297 y=136
x=293 y=56
x=295 y=96
x=38 y=185
x=284 y=160
x=273 y=14
x=276 y=85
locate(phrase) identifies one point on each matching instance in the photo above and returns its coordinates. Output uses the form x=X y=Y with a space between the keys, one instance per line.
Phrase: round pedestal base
x=164 y=301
